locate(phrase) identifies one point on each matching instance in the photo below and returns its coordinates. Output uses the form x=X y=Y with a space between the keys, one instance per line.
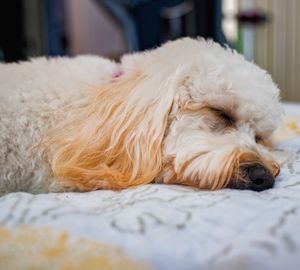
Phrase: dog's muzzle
x=256 y=177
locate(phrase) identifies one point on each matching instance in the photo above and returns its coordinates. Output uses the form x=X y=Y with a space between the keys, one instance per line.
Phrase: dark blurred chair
x=120 y=9
x=148 y=23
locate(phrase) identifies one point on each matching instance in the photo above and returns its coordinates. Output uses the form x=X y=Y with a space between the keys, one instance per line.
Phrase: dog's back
x=32 y=95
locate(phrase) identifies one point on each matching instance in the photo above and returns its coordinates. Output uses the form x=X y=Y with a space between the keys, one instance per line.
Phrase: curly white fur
x=188 y=112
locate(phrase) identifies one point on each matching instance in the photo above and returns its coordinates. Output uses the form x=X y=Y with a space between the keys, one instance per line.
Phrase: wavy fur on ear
x=114 y=140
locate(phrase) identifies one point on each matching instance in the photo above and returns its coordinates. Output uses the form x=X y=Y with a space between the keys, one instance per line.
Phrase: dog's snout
x=260 y=178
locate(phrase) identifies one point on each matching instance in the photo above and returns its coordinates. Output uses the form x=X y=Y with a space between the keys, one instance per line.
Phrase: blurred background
x=265 y=31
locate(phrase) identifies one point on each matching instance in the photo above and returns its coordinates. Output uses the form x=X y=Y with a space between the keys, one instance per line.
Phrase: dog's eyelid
x=225 y=115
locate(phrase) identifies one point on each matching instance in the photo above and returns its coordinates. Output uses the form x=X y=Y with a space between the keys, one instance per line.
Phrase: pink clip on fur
x=118 y=73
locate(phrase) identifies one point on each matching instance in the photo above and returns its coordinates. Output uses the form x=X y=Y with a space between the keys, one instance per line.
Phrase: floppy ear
x=115 y=139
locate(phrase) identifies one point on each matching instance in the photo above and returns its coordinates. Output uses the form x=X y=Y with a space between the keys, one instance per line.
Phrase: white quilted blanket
x=174 y=227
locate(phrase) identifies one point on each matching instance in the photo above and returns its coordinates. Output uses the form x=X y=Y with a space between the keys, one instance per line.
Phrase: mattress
x=162 y=227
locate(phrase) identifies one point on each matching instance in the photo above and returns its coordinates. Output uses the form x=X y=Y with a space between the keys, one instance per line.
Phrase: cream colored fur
x=68 y=124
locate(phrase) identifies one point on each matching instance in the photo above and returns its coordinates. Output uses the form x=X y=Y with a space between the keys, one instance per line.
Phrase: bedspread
x=170 y=227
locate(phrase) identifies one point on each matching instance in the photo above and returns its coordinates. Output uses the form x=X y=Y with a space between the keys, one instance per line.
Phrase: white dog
x=190 y=112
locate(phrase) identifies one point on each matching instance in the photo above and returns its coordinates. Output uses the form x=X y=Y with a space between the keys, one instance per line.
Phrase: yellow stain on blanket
x=294 y=126
x=27 y=248
x=289 y=129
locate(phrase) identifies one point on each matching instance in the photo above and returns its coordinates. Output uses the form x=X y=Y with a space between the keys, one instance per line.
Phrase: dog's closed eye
x=263 y=141
x=217 y=119
x=258 y=139
x=223 y=116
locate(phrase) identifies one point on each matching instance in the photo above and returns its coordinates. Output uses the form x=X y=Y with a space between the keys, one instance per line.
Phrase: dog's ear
x=115 y=139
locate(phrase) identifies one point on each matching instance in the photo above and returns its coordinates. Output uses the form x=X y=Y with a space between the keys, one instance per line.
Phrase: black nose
x=260 y=178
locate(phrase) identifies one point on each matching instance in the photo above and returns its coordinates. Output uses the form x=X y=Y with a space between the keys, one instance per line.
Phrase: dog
x=190 y=112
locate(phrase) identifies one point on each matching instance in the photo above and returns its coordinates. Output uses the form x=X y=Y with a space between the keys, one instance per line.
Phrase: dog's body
x=31 y=95
x=188 y=112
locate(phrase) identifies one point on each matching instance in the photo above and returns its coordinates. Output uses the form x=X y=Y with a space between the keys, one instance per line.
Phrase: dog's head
x=189 y=112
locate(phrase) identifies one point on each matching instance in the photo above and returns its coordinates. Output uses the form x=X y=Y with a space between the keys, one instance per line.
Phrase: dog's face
x=214 y=145
x=219 y=129
x=190 y=112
